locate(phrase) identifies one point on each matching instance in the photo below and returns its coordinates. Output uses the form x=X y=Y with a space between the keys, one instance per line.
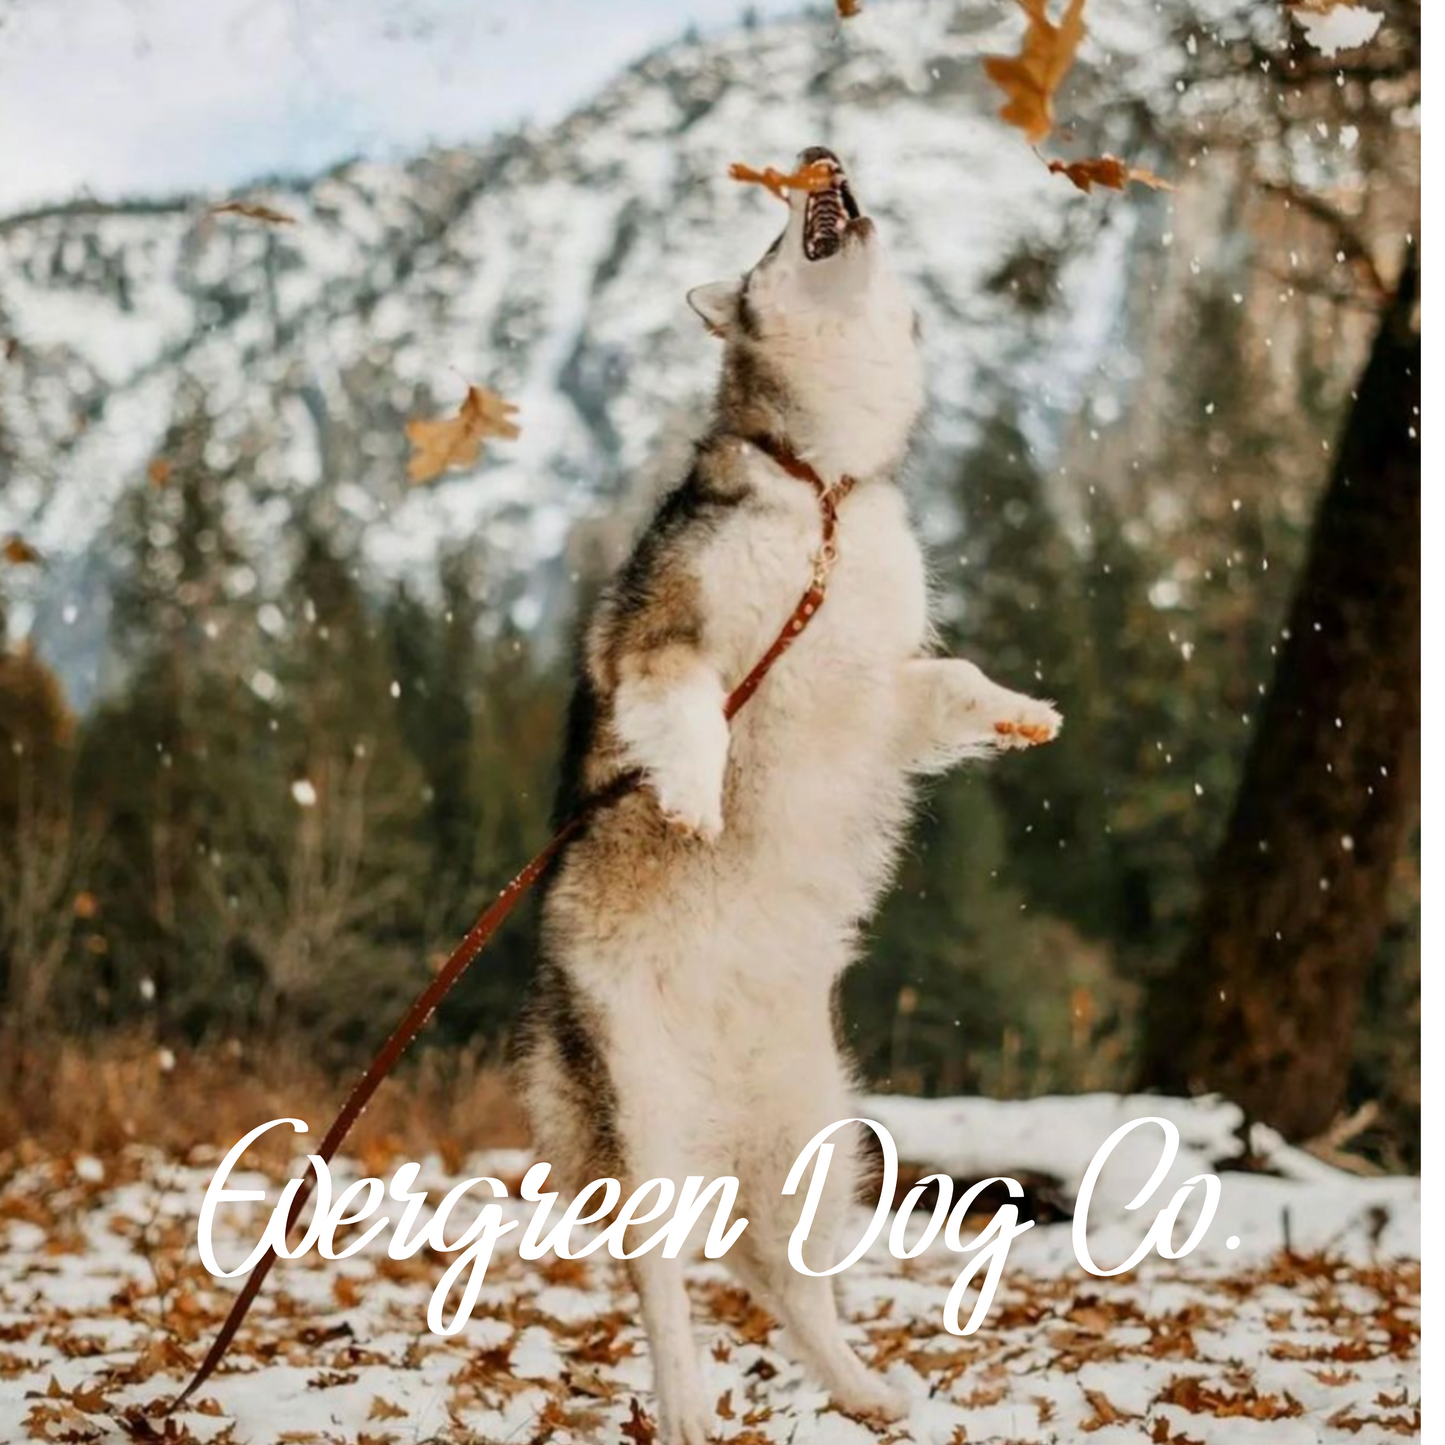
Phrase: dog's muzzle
x=831 y=214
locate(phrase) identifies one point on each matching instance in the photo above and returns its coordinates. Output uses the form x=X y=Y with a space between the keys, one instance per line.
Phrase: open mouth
x=829 y=214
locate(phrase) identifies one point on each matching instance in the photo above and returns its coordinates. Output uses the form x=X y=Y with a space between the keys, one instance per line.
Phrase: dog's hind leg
x=651 y=1127
x=684 y=1415
x=807 y=1304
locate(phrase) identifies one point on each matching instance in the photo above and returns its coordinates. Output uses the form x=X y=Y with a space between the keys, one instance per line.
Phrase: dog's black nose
x=818 y=153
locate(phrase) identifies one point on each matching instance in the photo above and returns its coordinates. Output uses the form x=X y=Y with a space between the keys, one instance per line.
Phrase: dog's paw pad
x=1026 y=733
x=1028 y=727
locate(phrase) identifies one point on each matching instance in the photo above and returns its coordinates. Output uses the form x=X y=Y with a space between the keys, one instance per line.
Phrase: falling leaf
x=19 y=552
x=253 y=211
x=1031 y=77
x=1107 y=171
x=815 y=176
x=159 y=471
x=847 y=9
x=457 y=441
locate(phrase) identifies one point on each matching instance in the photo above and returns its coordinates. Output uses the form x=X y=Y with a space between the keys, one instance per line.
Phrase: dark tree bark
x=1263 y=1004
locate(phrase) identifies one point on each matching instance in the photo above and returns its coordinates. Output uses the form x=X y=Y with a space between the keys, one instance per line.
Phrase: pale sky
x=127 y=97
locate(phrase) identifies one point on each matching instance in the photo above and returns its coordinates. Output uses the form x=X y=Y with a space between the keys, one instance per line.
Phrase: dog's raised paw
x=689 y=808
x=1027 y=724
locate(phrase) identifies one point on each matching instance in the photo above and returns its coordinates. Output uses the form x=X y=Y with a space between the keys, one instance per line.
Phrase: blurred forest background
x=211 y=885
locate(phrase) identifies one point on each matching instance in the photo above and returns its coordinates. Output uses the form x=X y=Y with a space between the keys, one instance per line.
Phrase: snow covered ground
x=104 y=1303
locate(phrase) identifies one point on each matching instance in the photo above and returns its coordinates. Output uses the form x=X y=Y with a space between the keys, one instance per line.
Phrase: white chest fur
x=875 y=612
x=817 y=789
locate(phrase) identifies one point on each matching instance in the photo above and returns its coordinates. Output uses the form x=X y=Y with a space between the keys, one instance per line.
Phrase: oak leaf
x=1031 y=77
x=1107 y=171
x=456 y=441
x=815 y=176
x=638 y=1428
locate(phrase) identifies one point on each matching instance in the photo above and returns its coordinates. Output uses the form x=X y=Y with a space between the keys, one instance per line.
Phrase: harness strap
x=495 y=914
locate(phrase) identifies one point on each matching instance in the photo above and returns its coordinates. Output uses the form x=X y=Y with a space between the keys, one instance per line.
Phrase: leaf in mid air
x=815 y=176
x=1107 y=171
x=456 y=441
x=19 y=553
x=1031 y=77
x=253 y=211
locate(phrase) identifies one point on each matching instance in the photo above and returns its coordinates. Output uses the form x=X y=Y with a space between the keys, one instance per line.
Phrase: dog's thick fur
x=682 y=1017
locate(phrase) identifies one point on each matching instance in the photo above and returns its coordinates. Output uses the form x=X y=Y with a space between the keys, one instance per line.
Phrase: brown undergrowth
x=60 y=1096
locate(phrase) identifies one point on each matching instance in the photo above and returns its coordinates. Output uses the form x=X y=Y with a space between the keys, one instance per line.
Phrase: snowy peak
x=551 y=266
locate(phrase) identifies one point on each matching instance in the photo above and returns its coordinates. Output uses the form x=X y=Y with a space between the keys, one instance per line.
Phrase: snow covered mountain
x=550 y=265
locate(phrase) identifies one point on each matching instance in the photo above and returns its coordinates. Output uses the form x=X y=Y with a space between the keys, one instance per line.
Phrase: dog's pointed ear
x=717 y=304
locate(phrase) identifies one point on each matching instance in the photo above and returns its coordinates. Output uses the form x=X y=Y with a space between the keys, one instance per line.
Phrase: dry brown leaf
x=847 y=9
x=253 y=211
x=815 y=176
x=62 y=1423
x=638 y=1428
x=19 y=553
x=383 y=1409
x=1107 y=171
x=1395 y=1424
x=159 y=471
x=1160 y=1433
x=457 y=441
x=1031 y=77
x=590 y=1382
x=1190 y=1393
x=1105 y=1412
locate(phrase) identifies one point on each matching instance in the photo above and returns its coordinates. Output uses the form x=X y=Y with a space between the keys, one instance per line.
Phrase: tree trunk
x=1263 y=1005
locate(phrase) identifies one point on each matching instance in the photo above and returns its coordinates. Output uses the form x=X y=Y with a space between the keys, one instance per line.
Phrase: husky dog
x=682 y=1018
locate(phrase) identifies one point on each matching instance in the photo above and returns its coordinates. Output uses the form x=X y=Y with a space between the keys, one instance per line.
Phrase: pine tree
x=170 y=758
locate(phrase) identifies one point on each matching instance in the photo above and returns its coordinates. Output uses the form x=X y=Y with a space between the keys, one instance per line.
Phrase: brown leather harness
x=492 y=917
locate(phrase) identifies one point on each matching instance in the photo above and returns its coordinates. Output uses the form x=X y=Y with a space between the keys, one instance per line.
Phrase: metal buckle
x=824 y=560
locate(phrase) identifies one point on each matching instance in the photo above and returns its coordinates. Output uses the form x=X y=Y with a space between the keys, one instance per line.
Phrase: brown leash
x=493 y=916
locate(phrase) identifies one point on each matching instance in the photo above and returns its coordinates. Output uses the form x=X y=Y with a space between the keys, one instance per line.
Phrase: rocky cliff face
x=551 y=266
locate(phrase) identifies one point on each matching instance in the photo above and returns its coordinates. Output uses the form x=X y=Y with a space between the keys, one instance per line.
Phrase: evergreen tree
x=169 y=761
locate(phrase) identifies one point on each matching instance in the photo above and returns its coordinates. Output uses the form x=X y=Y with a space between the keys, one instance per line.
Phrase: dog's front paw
x=1024 y=722
x=690 y=803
